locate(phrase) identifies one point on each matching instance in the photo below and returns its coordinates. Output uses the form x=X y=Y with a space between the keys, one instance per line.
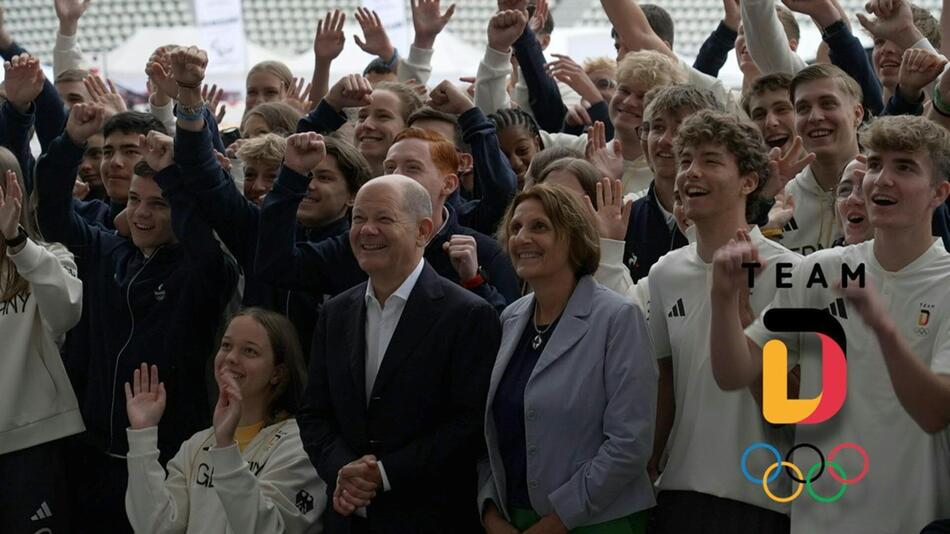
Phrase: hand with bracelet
x=188 y=68
x=11 y=206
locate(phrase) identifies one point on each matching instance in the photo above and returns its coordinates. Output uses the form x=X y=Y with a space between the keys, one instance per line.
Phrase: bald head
x=413 y=199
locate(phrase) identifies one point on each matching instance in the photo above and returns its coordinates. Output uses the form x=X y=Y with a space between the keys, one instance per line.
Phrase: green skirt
x=636 y=523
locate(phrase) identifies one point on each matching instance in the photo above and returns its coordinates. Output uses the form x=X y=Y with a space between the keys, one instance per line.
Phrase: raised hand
x=350 y=91
x=784 y=167
x=108 y=97
x=539 y=17
x=918 y=69
x=85 y=120
x=377 y=41
x=729 y=276
x=158 y=150
x=566 y=70
x=732 y=17
x=463 y=254
x=227 y=412
x=159 y=72
x=504 y=28
x=612 y=212
x=428 y=21
x=448 y=98
x=80 y=189
x=781 y=211
x=867 y=302
x=823 y=12
x=23 y=80
x=304 y=152
x=11 y=205
x=145 y=398
x=894 y=21
x=188 y=66
x=469 y=82
x=577 y=115
x=329 y=40
x=746 y=315
x=609 y=161
x=68 y=12
x=212 y=97
x=298 y=97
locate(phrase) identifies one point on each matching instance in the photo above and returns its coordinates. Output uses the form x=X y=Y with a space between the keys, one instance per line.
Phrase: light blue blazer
x=590 y=409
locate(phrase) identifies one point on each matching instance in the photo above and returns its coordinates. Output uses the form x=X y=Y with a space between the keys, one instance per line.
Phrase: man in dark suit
x=394 y=410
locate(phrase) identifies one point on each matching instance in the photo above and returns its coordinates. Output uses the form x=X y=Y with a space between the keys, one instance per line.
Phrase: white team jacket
x=37 y=403
x=271 y=487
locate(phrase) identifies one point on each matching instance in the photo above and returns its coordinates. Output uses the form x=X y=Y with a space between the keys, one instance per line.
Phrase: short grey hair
x=416 y=202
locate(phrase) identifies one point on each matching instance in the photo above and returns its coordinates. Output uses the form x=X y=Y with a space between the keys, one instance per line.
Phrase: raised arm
x=352 y=90
x=327 y=267
x=766 y=38
x=544 y=96
x=496 y=181
x=66 y=52
x=715 y=49
x=56 y=175
x=328 y=43
x=633 y=27
x=491 y=81
x=428 y=21
x=23 y=81
x=50 y=271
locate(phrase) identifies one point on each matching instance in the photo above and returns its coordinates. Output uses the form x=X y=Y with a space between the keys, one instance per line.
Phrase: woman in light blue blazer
x=570 y=414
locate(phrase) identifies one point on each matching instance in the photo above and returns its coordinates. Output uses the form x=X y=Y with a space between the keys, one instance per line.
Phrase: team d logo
x=776 y=406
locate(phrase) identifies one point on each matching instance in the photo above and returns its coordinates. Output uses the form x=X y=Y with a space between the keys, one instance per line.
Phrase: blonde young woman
x=248 y=473
x=40 y=300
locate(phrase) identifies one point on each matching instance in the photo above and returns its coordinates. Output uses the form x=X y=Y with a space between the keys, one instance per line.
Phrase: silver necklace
x=538 y=340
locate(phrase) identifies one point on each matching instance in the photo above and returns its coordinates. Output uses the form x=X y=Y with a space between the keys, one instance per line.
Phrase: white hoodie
x=37 y=403
x=270 y=487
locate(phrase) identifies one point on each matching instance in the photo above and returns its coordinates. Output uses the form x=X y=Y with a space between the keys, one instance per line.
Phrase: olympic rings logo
x=805 y=482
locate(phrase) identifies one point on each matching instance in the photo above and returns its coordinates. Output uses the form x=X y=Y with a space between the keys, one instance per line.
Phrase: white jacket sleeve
x=491 y=81
x=66 y=54
x=51 y=272
x=165 y=114
x=154 y=503
x=766 y=38
x=614 y=275
x=287 y=495
x=418 y=66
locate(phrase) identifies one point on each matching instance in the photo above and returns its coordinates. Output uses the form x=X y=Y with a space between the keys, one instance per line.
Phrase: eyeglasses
x=605 y=83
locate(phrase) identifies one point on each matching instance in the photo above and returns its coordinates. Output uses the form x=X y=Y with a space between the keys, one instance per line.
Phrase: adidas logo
x=790 y=225
x=42 y=513
x=678 y=309
x=837 y=309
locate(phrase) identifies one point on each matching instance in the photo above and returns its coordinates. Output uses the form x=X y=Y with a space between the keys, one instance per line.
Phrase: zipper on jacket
x=115 y=370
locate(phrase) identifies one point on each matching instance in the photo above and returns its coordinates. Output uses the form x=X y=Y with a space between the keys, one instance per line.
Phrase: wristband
x=393 y=60
x=18 y=240
x=474 y=282
x=190 y=113
x=938 y=103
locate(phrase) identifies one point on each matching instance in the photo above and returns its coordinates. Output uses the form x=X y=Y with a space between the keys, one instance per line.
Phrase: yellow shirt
x=244 y=434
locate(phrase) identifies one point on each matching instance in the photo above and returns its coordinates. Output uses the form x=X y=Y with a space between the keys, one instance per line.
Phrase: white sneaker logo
x=42 y=513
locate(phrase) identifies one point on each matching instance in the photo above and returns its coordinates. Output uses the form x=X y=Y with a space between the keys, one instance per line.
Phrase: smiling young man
x=768 y=105
x=155 y=297
x=460 y=254
x=828 y=111
x=120 y=152
x=897 y=332
x=722 y=165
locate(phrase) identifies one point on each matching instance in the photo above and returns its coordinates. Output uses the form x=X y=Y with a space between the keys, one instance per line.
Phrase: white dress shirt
x=381 y=322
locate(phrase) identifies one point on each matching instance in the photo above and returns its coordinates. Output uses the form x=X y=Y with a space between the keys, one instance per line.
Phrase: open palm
x=145 y=398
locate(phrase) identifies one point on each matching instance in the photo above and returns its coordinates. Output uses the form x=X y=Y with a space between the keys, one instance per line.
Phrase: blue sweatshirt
x=494 y=178
x=846 y=51
x=543 y=95
x=715 y=50
x=164 y=309
x=237 y=221
x=329 y=267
